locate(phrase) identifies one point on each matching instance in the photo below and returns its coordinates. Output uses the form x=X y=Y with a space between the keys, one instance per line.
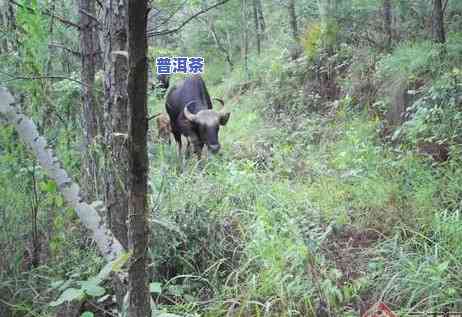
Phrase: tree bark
x=3 y=25
x=293 y=20
x=90 y=170
x=116 y=126
x=439 y=35
x=116 y=117
x=257 y=26
x=138 y=233
x=387 y=23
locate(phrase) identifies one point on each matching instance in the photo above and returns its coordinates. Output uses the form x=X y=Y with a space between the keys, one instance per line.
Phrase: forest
x=235 y=158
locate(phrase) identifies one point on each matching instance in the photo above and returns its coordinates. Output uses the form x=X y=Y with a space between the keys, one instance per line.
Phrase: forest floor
x=276 y=183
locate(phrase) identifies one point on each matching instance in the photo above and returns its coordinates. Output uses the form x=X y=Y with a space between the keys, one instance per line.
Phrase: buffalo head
x=207 y=123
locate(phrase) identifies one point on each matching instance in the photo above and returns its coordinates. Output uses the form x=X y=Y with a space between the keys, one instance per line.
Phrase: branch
x=445 y=5
x=47 y=13
x=107 y=244
x=165 y=32
x=88 y=14
x=67 y=49
x=169 y=17
x=42 y=77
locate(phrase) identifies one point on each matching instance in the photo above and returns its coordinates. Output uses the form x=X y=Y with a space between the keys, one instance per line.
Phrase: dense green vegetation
x=338 y=184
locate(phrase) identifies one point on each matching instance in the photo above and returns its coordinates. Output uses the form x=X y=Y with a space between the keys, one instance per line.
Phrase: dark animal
x=190 y=109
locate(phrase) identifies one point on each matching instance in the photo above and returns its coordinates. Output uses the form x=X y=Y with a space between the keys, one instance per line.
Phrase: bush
x=436 y=116
x=409 y=60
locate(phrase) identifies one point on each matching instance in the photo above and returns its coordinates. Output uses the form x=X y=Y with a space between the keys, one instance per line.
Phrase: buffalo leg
x=178 y=142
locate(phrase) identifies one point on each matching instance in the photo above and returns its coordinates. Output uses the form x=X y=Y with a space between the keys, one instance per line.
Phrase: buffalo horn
x=191 y=117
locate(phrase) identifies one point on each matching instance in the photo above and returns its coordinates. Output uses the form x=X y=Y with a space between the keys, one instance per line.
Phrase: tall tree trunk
x=438 y=32
x=116 y=117
x=138 y=231
x=293 y=20
x=89 y=171
x=11 y=25
x=245 y=41
x=261 y=17
x=116 y=125
x=387 y=23
x=49 y=68
x=3 y=25
x=257 y=26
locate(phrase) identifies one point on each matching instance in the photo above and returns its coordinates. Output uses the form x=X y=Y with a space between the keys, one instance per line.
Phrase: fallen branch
x=107 y=244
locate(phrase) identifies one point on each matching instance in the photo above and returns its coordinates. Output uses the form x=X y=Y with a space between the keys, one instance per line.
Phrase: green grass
x=254 y=223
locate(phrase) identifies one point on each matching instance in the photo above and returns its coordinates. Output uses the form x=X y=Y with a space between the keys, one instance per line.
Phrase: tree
x=293 y=20
x=387 y=23
x=244 y=37
x=116 y=116
x=90 y=169
x=139 y=300
x=438 y=32
x=110 y=248
x=261 y=17
x=116 y=125
x=257 y=25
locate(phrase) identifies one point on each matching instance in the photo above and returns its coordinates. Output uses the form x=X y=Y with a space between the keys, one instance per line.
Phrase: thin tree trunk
x=47 y=122
x=387 y=23
x=244 y=44
x=261 y=17
x=293 y=20
x=35 y=254
x=257 y=26
x=220 y=45
x=49 y=69
x=90 y=175
x=138 y=231
x=438 y=32
x=3 y=25
x=11 y=26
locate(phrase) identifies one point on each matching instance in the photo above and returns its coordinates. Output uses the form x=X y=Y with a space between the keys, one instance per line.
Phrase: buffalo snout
x=214 y=148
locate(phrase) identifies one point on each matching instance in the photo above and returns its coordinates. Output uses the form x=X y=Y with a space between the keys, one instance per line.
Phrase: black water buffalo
x=190 y=109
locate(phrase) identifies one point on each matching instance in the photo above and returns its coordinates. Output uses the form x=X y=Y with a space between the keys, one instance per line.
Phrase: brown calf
x=163 y=126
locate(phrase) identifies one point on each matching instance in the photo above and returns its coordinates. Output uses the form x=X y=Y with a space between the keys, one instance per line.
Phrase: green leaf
x=104 y=273
x=57 y=284
x=176 y=290
x=118 y=263
x=59 y=201
x=443 y=266
x=91 y=288
x=68 y=296
x=155 y=287
x=87 y=314
x=114 y=266
x=65 y=285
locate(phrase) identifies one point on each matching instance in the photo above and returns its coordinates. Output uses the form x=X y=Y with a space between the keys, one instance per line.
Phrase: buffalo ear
x=224 y=117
